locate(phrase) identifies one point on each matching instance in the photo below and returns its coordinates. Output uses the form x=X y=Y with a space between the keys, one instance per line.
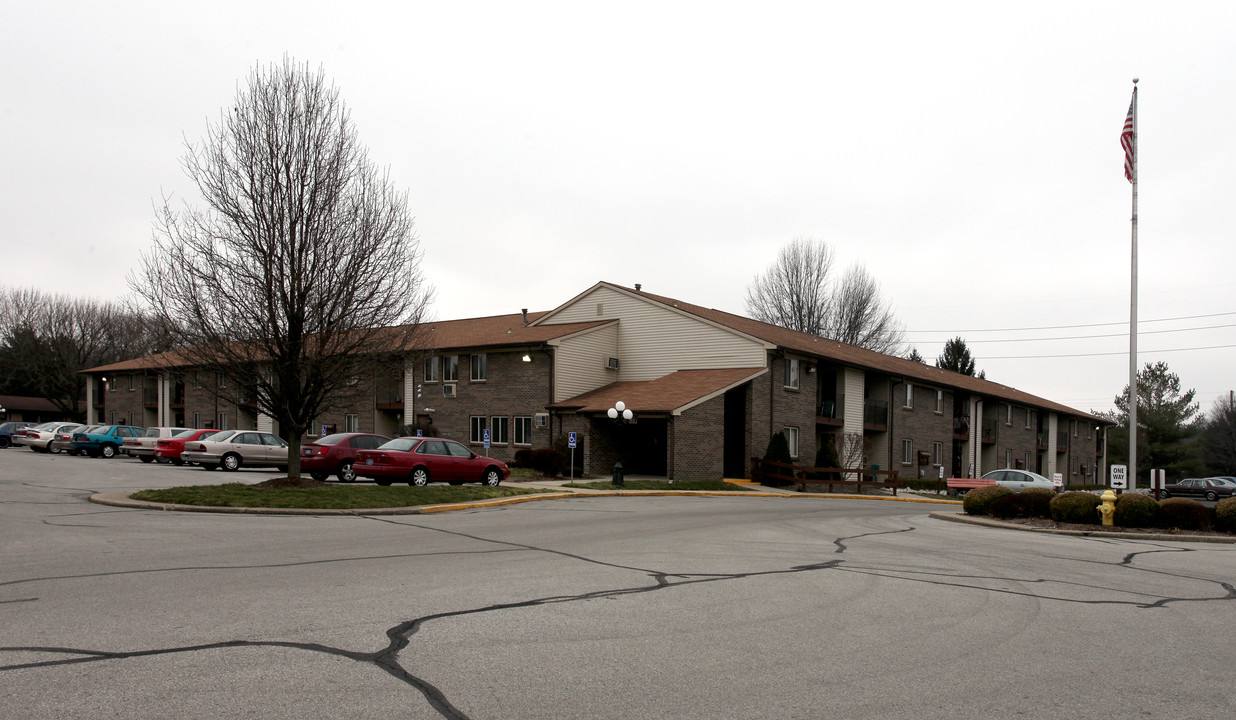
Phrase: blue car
x=7 y=429
x=105 y=440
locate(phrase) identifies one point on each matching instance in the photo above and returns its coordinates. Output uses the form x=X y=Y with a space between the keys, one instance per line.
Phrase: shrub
x=1136 y=510
x=548 y=461
x=1183 y=514
x=978 y=500
x=779 y=451
x=826 y=457
x=1225 y=515
x=523 y=458
x=1031 y=502
x=1075 y=507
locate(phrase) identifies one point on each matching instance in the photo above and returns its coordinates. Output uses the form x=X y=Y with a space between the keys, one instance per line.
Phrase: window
x=907 y=451
x=132 y=383
x=937 y=453
x=477 y=434
x=1008 y=414
x=523 y=431
x=500 y=433
x=431 y=370
x=1029 y=419
x=909 y=402
x=478 y=368
x=197 y=378
x=113 y=422
x=1028 y=459
x=1089 y=428
x=221 y=379
x=197 y=419
x=940 y=402
x=791 y=372
x=223 y=421
x=351 y=423
x=1008 y=458
x=791 y=438
x=450 y=368
x=1074 y=424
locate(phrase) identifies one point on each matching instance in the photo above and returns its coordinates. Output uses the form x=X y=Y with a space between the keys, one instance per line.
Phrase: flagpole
x=1133 y=396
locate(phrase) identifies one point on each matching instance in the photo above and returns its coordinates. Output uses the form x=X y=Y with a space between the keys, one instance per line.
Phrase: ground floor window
x=907 y=451
x=937 y=453
x=523 y=431
x=791 y=438
x=477 y=432
x=499 y=433
x=351 y=423
x=222 y=421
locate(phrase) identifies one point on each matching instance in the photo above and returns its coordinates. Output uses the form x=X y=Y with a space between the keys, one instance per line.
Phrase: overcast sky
x=966 y=153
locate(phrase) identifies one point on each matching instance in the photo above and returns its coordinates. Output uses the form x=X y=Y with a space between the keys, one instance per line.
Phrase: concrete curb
x=961 y=517
x=123 y=500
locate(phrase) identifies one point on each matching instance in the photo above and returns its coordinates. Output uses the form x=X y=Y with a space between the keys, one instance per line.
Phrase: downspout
x=892 y=399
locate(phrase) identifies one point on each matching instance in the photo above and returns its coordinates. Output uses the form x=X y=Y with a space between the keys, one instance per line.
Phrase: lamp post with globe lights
x=620 y=413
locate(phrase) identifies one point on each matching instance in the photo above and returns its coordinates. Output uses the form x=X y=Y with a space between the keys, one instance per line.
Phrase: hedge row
x=1132 y=509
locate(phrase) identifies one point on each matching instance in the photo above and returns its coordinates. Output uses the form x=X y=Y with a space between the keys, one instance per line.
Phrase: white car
x=230 y=449
x=142 y=447
x=1020 y=479
x=39 y=437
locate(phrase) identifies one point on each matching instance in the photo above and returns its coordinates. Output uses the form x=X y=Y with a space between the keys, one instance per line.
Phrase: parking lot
x=597 y=607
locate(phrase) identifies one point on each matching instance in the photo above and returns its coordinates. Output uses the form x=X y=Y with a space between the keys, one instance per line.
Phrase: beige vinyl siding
x=581 y=362
x=654 y=340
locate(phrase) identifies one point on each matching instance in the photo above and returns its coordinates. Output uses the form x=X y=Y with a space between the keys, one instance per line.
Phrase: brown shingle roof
x=666 y=394
x=859 y=357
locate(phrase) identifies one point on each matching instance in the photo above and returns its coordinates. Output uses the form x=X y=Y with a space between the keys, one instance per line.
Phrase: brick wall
x=923 y=426
x=698 y=442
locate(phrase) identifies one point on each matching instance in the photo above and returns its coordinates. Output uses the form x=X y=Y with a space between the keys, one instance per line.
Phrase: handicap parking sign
x=486 y=438
x=571 y=440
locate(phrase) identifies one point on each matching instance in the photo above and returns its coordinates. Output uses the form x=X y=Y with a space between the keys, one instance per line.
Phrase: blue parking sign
x=571 y=440
x=486 y=438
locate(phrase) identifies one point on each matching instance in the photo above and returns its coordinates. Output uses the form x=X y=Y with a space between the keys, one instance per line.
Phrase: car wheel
x=4 y=442
x=318 y=475
x=52 y=450
x=177 y=461
x=1163 y=495
x=108 y=451
x=420 y=477
x=230 y=462
x=1212 y=495
x=346 y=473
x=493 y=477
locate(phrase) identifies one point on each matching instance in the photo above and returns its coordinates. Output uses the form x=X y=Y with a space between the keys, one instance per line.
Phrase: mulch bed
x=1086 y=527
x=284 y=483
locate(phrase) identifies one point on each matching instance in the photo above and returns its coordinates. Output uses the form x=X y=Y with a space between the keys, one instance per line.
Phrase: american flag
x=1126 y=139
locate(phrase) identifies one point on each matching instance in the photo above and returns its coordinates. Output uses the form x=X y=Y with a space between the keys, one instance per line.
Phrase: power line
x=1076 y=355
x=1090 y=337
x=1069 y=327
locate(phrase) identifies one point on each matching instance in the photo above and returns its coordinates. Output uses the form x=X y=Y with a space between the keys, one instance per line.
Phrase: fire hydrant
x=1108 y=507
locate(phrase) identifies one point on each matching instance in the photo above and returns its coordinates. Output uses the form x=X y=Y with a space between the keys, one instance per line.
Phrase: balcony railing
x=961 y=428
x=989 y=432
x=875 y=414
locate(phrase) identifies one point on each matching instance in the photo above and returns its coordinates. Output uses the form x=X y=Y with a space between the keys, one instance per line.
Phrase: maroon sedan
x=336 y=454
x=422 y=460
x=169 y=449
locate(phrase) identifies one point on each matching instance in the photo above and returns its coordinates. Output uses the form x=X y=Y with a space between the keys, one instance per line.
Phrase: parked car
x=39 y=437
x=19 y=437
x=1211 y=488
x=422 y=460
x=103 y=440
x=142 y=446
x=7 y=429
x=337 y=454
x=64 y=439
x=169 y=449
x=1015 y=479
x=231 y=449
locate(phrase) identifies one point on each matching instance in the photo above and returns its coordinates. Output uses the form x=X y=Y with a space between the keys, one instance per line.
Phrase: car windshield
x=331 y=439
x=401 y=444
x=151 y=432
x=221 y=435
x=1223 y=481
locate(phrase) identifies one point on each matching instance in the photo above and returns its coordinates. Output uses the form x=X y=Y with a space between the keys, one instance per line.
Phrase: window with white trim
x=1029 y=418
x=937 y=454
x=450 y=368
x=132 y=382
x=197 y=420
x=431 y=370
x=1008 y=413
x=221 y=380
x=523 y=431
x=791 y=372
x=476 y=432
x=791 y=438
x=222 y=421
x=1028 y=459
x=500 y=430
x=1008 y=458
x=351 y=423
x=907 y=451
x=909 y=400
x=478 y=368
x=940 y=401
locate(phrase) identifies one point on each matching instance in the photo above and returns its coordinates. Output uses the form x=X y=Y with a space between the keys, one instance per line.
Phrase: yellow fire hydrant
x=1107 y=508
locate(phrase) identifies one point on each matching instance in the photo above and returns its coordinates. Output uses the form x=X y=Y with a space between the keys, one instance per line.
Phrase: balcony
x=1062 y=441
x=830 y=413
x=961 y=428
x=389 y=397
x=1040 y=441
x=989 y=433
x=875 y=416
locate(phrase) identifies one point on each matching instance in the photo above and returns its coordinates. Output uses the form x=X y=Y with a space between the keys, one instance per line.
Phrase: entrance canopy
x=667 y=395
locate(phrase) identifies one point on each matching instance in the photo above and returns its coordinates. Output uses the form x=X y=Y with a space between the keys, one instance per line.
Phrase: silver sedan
x=231 y=449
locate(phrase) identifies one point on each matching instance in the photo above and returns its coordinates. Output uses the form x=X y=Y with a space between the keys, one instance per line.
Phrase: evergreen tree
x=957 y=357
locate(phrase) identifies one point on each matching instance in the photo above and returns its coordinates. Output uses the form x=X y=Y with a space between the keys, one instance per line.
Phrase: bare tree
x=47 y=340
x=302 y=272
x=793 y=291
x=798 y=291
x=859 y=316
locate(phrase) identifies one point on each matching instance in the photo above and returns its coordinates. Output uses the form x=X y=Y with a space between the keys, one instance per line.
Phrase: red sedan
x=336 y=454
x=169 y=449
x=422 y=460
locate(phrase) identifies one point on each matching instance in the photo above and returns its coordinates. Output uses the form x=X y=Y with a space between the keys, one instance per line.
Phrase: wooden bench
x=959 y=486
x=771 y=472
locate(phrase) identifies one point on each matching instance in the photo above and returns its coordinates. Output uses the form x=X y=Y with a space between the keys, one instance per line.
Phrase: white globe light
x=620 y=406
x=613 y=414
x=627 y=414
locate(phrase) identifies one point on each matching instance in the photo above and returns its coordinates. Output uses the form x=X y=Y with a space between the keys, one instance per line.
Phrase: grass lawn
x=714 y=485
x=328 y=496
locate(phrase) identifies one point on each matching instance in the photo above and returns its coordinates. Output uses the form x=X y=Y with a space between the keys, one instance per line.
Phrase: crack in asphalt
x=400 y=635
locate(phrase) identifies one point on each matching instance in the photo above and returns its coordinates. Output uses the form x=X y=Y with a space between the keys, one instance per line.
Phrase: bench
x=959 y=486
x=770 y=472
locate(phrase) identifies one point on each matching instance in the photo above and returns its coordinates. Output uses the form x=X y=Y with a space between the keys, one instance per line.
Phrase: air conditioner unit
x=448 y=390
x=541 y=419
x=612 y=364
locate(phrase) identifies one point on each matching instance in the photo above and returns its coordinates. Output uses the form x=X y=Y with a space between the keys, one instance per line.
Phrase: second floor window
x=478 y=368
x=431 y=370
x=909 y=402
x=939 y=401
x=1029 y=419
x=791 y=372
x=450 y=368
